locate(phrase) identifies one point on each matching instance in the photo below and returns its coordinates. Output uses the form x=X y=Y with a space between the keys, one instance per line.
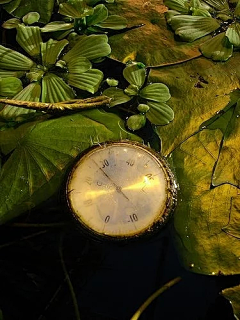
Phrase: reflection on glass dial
x=120 y=189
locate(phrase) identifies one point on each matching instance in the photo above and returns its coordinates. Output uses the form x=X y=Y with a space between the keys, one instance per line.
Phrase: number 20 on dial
x=121 y=190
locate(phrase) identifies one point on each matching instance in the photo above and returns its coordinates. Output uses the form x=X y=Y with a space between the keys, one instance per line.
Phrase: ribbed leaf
x=218 y=48
x=117 y=96
x=99 y=14
x=75 y=9
x=31 y=18
x=91 y=47
x=159 y=113
x=29 y=39
x=36 y=168
x=89 y=80
x=57 y=26
x=136 y=122
x=78 y=65
x=30 y=93
x=181 y=6
x=113 y=22
x=135 y=74
x=54 y=89
x=157 y=92
x=7 y=73
x=190 y=28
x=237 y=10
x=219 y=5
x=10 y=86
x=13 y=60
x=233 y=34
x=51 y=50
x=11 y=23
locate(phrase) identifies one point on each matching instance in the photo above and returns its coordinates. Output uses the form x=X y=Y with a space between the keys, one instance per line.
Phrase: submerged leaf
x=91 y=47
x=218 y=48
x=89 y=80
x=29 y=39
x=54 y=89
x=233 y=295
x=190 y=28
x=36 y=168
x=13 y=60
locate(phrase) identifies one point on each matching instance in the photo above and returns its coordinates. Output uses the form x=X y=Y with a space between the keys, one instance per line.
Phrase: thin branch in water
x=71 y=105
x=75 y=304
x=168 y=285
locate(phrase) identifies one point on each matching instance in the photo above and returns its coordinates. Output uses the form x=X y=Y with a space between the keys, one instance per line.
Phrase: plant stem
x=168 y=285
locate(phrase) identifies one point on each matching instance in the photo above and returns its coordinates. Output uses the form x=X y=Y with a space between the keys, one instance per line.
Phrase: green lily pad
x=152 y=42
x=13 y=60
x=233 y=295
x=32 y=92
x=117 y=96
x=29 y=39
x=10 y=86
x=91 y=47
x=157 y=92
x=233 y=34
x=135 y=74
x=136 y=121
x=51 y=50
x=36 y=168
x=198 y=90
x=89 y=80
x=190 y=28
x=99 y=14
x=218 y=48
x=54 y=89
x=159 y=113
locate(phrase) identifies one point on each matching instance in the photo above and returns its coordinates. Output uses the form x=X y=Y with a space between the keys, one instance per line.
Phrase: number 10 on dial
x=121 y=190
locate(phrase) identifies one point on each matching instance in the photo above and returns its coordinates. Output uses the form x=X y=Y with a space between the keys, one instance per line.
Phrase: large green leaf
x=13 y=60
x=32 y=92
x=10 y=86
x=198 y=90
x=150 y=40
x=190 y=28
x=91 y=47
x=206 y=219
x=233 y=295
x=20 y=8
x=29 y=39
x=54 y=89
x=36 y=168
x=89 y=80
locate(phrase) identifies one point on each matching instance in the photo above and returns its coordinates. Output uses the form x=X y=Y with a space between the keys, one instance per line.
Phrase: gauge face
x=120 y=189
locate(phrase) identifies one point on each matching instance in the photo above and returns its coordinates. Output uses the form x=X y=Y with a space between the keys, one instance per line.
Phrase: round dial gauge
x=121 y=190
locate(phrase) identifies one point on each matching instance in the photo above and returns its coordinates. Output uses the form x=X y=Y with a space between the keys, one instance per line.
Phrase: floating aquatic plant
x=81 y=18
x=50 y=73
x=150 y=100
x=194 y=19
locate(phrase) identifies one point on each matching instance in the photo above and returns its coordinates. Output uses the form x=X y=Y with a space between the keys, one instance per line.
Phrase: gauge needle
x=118 y=188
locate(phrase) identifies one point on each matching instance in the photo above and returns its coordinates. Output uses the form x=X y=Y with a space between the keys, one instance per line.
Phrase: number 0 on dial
x=121 y=190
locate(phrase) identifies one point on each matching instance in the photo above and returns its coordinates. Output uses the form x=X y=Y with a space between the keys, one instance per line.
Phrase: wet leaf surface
x=36 y=167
